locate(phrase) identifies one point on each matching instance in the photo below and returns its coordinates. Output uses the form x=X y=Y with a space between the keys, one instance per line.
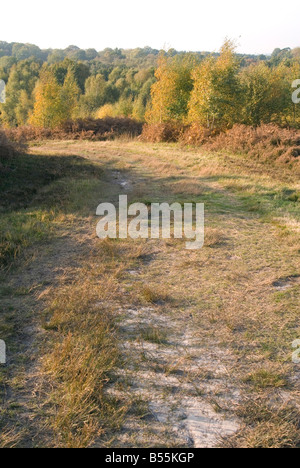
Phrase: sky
x=258 y=26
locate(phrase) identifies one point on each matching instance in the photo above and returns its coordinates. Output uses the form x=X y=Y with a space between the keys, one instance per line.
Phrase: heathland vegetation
x=139 y=343
x=134 y=343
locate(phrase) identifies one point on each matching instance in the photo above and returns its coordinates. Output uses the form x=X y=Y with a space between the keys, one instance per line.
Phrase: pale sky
x=258 y=25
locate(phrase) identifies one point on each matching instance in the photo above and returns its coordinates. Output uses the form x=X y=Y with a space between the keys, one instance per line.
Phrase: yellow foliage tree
x=107 y=110
x=48 y=111
x=216 y=96
x=171 y=91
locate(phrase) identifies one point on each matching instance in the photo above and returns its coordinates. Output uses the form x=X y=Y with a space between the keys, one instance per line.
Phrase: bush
x=102 y=129
x=162 y=132
x=81 y=129
x=7 y=147
x=266 y=142
x=28 y=133
x=196 y=135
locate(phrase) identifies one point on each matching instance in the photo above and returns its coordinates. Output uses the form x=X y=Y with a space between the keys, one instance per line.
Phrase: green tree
x=19 y=92
x=216 y=96
x=23 y=108
x=97 y=93
x=80 y=71
x=265 y=95
x=142 y=101
x=69 y=95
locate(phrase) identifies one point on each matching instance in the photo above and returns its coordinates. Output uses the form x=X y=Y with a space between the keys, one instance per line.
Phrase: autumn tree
x=48 y=109
x=171 y=91
x=216 y=96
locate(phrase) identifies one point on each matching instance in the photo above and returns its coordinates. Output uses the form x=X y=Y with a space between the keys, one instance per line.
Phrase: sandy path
x=185 y=386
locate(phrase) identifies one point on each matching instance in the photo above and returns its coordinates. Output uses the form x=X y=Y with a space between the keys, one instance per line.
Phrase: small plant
x=8 y=147
x=266 y=379
x=213 y=237
x=153 y=296
x=154 y=335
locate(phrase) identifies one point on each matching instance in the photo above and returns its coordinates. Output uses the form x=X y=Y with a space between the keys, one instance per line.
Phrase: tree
x=142 y=101
x=97 y=93
x=80 y=71
x=171 y=91
x=23 y=108
x=6 y=64
x=19 y=92
x=264 y=94
x=215 y=99
x=69 y=95
x=49 y=107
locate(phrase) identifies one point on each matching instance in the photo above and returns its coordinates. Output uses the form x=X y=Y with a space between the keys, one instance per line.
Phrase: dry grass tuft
x=79 y=365
x=213 y=237
x=153 y=296
x=154 y=335
x=9 y=438
x=267 y=426
x=264 y=378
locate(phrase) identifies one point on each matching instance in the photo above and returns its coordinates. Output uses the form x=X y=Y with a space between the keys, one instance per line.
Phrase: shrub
x=196 y=135
x=102 y=129
x=266 y=142
x=81 y=129
x=7 y=147
x=105 y=111
x=162 y=132
x=28 y=133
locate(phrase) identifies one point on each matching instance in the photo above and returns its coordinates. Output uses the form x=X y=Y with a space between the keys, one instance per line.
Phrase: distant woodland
x=45 y=88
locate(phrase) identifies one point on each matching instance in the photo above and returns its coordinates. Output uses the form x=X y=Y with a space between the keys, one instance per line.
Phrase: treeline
x=218 y=92
x=145 y=57
x=45 y=88
x=47 y=95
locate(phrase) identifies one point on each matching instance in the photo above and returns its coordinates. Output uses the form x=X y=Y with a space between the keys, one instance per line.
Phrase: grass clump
x=213 y=237
x=154 y=335
x=267 y=425
x=264 y=378
x=79 y=365
x=153 y=296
